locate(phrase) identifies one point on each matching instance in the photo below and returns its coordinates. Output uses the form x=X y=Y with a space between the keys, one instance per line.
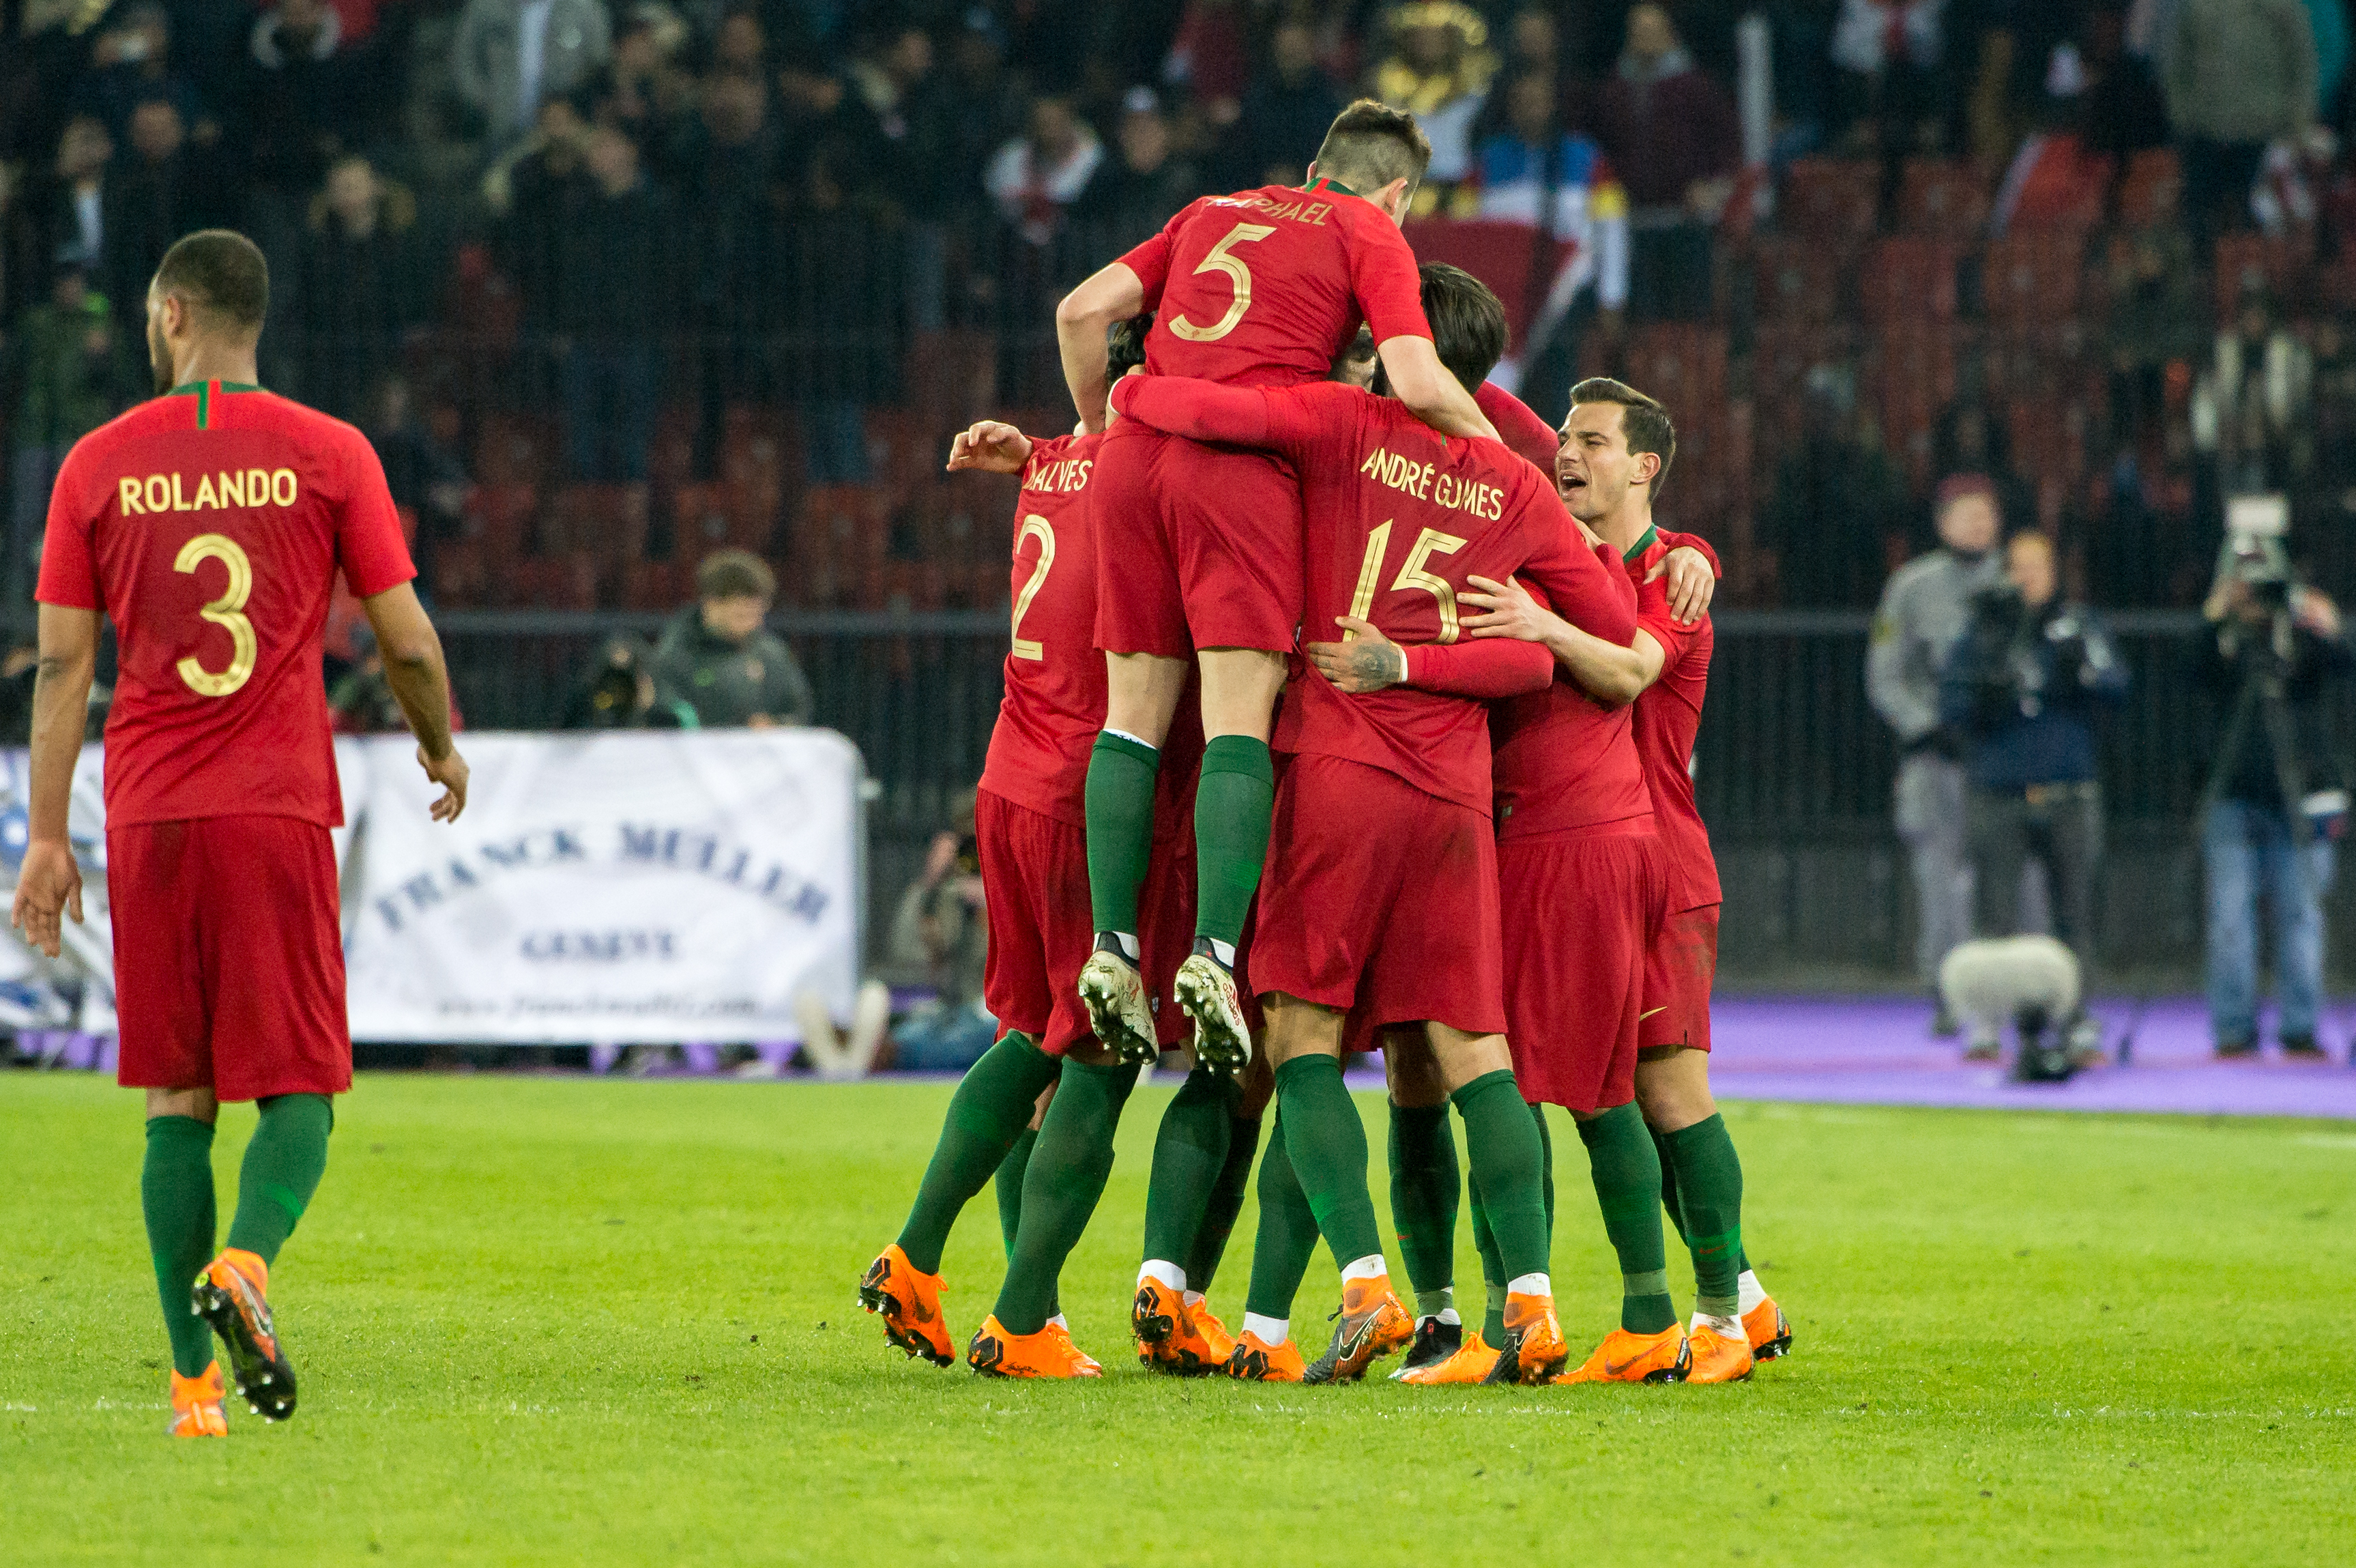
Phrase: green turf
x=567 y=1321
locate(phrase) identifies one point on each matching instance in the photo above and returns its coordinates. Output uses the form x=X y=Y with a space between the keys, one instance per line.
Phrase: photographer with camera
x=941 y=931
x=2275 y=799
x=2023 y=687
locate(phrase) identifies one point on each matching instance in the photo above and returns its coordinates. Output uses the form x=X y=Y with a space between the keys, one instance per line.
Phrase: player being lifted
x=1200 y=549
x=1386 y=897
x=210 y=525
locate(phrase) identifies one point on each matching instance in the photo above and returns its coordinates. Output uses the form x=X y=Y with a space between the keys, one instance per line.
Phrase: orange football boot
x=1217 y=1343
x=910 y=1304
x=196 y=1404
x=1533 y=1351
x=1257 y=1361
x=1374 y=1323
x=1088 y=1365
x=233 y=1295
x=1170 y=1338
x=1718 y=1357
x=1769 y=1334
x=1471 y=1364
x=1049 y=1353
x=1625 y=1358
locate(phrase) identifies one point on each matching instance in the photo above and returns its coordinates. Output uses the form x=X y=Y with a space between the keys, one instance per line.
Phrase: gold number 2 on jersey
x=1025 y=648
x=228 y=611
x=1428 y=543
x=1219 y=261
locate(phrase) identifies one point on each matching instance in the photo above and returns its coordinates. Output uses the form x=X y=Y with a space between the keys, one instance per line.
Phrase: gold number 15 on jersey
x=227 y=612
x=1428 y=543
x=1219 y=261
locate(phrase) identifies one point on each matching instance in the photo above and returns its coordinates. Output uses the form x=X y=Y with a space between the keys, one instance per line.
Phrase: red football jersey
x=1265 y=287
x=1399 y=518
x=1519 y=427
x=1668 y=713
x=210 y=524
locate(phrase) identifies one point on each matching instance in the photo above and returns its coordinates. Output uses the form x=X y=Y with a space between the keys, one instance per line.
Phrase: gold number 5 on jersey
x=226 y=611
x=1219 y=261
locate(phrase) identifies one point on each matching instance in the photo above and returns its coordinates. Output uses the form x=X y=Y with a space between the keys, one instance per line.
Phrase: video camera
x=2254 y=554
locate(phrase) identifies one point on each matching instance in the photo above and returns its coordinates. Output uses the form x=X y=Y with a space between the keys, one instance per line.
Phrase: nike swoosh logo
x=1648 y=1013
x=1612 y=1370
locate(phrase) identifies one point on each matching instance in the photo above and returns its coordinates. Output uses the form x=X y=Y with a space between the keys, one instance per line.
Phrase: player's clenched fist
x=50 y=884
x=451 y=773
x=992 y=445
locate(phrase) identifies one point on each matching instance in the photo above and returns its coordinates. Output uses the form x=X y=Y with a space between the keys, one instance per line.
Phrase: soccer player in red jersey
x=210 y=525
x=1200 y=548
x=1385 y=896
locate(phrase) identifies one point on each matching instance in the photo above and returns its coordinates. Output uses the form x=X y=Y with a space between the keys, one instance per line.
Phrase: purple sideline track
x=1878 y=1050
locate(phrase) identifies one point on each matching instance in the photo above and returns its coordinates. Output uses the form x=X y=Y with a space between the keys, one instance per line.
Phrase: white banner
x=658 y=887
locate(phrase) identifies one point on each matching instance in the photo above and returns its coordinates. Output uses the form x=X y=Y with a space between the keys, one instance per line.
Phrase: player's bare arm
x=49 y=888
x=1604 y=670
x=1691 y=584
x=1365 y=662
x=1419 y=380
x=1113 y=294
x=421 y=683
x=991 y=446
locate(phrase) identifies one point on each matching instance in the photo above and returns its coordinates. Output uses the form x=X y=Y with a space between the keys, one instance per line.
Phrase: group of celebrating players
x=1288 y=516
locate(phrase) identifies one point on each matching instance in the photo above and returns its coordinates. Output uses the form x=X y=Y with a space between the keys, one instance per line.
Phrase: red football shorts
x=228 y=957
x=1678 y=972
x=1196 y=547
x=1381 y=898
x=1586 y=907
x=1034 y=875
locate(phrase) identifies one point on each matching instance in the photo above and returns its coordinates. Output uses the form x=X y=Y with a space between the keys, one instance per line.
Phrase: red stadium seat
x=657 y=584
x=1830 y=201
x=2033 y=275
x=461 y=573
x=512 y=449
x=2151 y=190
x=723 y=516
x=1944 y=199
x=1799 y=279
x=604 y=521
x=2284 y=264
x=1908 y=280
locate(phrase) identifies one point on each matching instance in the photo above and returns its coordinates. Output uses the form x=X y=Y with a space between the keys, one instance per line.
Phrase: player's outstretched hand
x=1692 y=585
x=48 y=885
x=451 y=773
x=990 y=445
x=1504 y=609
x=1367 y=662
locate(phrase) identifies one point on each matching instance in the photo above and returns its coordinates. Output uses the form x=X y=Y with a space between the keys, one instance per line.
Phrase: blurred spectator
x=1806 y=98
x=75 y=208
x=360 y=291
x=510 y=55
x=619 y=691
x=1673 y=137
x=2023 y=688
x=131 y=64
x=2239 y=74
x=645 y=88
x=2121 y=108
x=1971 y=442
x=1210 y=56
x=304 y=100
x=75 y=367
x=719 y=659
x=1535 y=172
x=1133 y=195
x=731 y=198
x=740 y=46
x=1440 y=68
x=1835 y=501
x=983 y=100
x=1285 y=114
x=1037 y=176
x=2155 y=320
x=2275 y=801
x=2253 y=407
x=1925 y=610
x=360 y=701
x=534 y=192
x=941 y=927
x=912 y=132
x=422 y=474
x=24 y=261
x=841 y=322
x=1890 y=56
x=613 y=282
x=164 y=189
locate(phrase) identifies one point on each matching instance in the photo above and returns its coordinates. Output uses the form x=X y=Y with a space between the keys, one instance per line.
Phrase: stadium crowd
x=615 y=285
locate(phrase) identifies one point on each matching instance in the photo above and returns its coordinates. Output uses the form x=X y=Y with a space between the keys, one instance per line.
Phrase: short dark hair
x=1643 y=419
x=1125 y=345
x=1468 y=322
x=1370 y=144
x=735 y=575
x=222 y=274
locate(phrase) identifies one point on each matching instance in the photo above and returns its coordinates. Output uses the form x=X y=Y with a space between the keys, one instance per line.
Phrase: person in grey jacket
x=2238 y=74
x=512 y=56
x=1926 y=610
x=718 y=658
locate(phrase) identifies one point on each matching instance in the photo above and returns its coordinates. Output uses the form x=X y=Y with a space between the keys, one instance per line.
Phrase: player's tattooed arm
x=1366 y=661
x=991 y=446
x=48 y=884
x=1604 y=670
x=1488 y=672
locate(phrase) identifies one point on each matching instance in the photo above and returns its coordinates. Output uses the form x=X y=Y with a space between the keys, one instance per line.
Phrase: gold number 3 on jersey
x=227 y=612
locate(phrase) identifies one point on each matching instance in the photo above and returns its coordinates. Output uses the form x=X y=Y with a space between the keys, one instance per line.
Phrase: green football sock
x=1501 y=1140
x=1627 y=1174
x=1288 y=1233
x=990 y=1110
x=1120 y=827
x=1546 y=1159
x=1493 y=1276
x=1009 y=1181
x=1426 y=1188
x=1327 y=1144
x=176 y=1195
x=1709 y=1186
x=1225 y=1202
x=282 y=1168
x=1671 y=1204
x=1232 y=804
x=1067 y=1175
x=1188 y=1151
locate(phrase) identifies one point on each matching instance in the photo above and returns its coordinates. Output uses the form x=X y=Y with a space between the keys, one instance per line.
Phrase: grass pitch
x=571 y=1321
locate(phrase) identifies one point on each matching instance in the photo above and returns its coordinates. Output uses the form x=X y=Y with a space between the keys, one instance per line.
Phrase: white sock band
x=1530 y=1284
x=1370 y=1267
x=1170 y=1276
x=1269 y=1331
x=1749 y=1291
x=1133 y=740
x=1224 y=952
x=1731 y=1327
x=1193 y=1297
